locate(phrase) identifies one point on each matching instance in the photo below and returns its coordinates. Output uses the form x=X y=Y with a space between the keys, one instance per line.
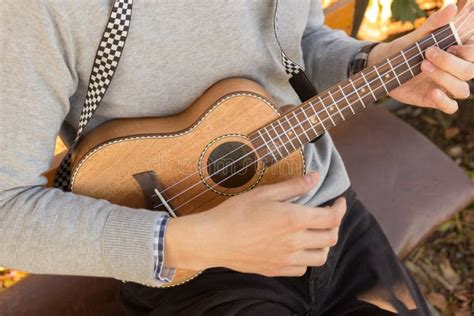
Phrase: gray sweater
x=175 y=50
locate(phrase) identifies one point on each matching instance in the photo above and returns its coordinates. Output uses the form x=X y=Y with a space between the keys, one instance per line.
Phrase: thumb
x=435 y=21
x=288 y=189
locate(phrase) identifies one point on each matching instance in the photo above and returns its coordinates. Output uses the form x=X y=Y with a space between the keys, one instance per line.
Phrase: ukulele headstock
x=464 y=22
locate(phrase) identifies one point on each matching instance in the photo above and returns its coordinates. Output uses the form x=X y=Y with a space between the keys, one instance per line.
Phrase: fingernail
x=309 y=177
x=452 y=50
x=427 y=66
x=343 y=199
x=431 y=52
x=438 y=95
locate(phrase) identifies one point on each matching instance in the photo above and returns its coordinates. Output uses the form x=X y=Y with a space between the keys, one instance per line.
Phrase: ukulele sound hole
x=231 y=164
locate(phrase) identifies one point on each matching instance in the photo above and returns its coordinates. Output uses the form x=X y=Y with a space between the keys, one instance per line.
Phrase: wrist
x=185 y=243
x=377 y=53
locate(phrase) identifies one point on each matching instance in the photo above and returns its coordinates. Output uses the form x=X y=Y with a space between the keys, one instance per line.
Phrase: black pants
x=362 y=273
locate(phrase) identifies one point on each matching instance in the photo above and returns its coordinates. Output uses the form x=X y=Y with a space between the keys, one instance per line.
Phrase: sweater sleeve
x=326 y=52
x=47 y=230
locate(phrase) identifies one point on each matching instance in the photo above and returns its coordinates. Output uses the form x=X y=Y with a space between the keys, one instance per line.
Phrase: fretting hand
x=444 y=74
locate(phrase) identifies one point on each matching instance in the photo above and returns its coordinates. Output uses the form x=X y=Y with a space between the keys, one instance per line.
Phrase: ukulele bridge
x=152 y=189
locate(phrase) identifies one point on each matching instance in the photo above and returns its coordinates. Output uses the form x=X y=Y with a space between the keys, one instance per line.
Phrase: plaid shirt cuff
x=162 y=274
x=360 y=59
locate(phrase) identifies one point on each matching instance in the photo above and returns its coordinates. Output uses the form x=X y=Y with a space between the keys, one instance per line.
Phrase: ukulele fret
x=434 y=39
x=368 y=85
x=310 y=122
x=325 y=108
x=294 y=131
x=301 y=126
x=419 y=49
x=357 y=92
x=317 y=115
x=380 y=78
x=348 y=103
x=266 y=144
x=287 y=133
x=394 y=73
x=408 y=64
x=281 y=141
x=335 y=104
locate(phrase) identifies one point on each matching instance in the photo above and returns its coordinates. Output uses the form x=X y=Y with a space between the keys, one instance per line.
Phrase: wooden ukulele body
x=180 y=147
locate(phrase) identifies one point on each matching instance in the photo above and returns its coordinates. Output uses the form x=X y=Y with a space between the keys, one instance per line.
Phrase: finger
x=292 y=271
x=443 y=102
x=456 y=66
x=323 y=217
x=316 y=238
x=331 y=216
x=465 y=52
x=456 y=87
x=309 y=257
x=435 y=21
x=286 y=190
x=339 y=206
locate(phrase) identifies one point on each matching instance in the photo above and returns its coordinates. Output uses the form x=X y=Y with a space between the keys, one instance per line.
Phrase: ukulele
x=232 y=139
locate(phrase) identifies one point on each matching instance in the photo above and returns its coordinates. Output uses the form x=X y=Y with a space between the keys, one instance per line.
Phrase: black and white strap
x=300 y=82
x=290 y=66
x=104 y=67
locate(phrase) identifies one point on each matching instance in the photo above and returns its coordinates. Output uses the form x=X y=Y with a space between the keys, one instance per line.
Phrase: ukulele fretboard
x=333 y=106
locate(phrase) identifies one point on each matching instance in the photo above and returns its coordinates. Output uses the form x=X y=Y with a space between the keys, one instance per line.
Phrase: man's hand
x=257 y=232
x=444 y=74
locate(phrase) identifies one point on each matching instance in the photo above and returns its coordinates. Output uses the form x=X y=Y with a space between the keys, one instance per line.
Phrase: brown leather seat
x=46 y=295
x=404 y=180
x=408 y=183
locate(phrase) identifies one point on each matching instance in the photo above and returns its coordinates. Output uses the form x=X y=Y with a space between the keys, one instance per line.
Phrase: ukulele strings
x=271 y=152
x=196 y=196
x=227 y=154
x=247 y=166
x=301 y=110
x=250 y=164
x=298 y=111
x=321 y=99
x=303 y=130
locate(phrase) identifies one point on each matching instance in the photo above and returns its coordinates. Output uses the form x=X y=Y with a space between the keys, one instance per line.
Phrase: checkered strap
x=290 y=66
x=104 y=67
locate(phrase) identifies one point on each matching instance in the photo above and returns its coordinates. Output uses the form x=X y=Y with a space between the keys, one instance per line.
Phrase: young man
x=260 y=251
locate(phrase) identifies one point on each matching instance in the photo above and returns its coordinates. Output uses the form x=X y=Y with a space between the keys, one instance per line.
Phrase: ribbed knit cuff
x=128 y=245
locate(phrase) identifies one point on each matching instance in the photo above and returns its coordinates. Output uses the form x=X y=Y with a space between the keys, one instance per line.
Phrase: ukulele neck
x=313 y=118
